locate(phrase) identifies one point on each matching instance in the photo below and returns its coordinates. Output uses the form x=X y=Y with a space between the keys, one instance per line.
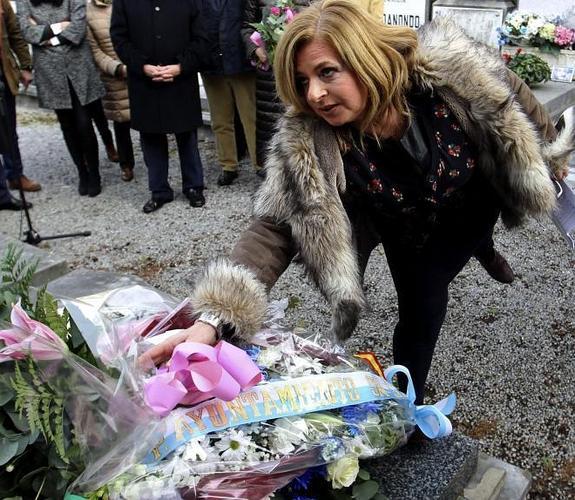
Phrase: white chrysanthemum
x=304 y=366
x=288 y=433
x=233 y=445
x=269 y=356
x=195 y=449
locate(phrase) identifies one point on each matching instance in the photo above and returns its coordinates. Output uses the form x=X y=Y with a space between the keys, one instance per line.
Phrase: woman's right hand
x=198 y=332
x=262 y=55
x=64 y=24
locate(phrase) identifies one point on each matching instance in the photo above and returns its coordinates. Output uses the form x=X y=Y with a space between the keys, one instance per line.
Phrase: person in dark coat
x=161 y=43
x=229 y=85
x=7 y=201
x=16 y=64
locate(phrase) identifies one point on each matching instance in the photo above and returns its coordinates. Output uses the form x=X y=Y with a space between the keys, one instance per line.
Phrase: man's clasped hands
x=162 y=73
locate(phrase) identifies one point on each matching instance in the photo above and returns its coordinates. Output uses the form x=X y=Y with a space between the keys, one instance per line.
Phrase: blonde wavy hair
x=381 y=56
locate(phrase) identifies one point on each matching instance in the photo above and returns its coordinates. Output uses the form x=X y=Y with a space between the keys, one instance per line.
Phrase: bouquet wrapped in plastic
x=225 y=422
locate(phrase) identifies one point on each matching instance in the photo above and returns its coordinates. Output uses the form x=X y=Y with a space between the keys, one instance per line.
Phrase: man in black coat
x=161 y=43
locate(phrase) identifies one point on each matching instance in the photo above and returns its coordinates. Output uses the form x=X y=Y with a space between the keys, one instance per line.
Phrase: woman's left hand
x=561 y=173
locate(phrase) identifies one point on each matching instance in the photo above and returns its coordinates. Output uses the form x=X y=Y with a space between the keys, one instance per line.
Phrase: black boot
x=84 y=185
x=95 y=186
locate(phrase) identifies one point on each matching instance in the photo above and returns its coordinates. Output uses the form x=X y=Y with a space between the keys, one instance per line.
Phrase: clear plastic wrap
x=314 y=406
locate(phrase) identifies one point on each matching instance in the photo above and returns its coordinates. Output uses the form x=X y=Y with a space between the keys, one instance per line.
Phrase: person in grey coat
x=66 y=77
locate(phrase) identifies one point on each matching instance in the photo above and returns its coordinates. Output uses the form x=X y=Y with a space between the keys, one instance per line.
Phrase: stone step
x=496 y=479
x=50 y=265
x=438 y=469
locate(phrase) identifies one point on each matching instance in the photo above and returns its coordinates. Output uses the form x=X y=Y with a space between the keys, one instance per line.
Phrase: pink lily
x=29 y=337
x=275 y=11
x=289 y=15
x=124 y=335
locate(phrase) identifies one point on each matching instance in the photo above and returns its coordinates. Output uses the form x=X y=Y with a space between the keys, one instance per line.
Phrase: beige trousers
x=225 y=93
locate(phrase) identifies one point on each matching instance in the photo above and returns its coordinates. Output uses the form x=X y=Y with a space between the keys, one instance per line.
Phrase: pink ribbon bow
x=198 y=372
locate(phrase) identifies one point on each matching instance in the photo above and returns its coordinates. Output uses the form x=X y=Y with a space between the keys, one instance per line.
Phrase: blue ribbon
x=431 y=419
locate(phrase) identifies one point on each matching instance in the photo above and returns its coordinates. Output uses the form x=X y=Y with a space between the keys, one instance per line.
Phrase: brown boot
x=112 y=153
x=127 y=173
x=496 y=266
x=27 y=184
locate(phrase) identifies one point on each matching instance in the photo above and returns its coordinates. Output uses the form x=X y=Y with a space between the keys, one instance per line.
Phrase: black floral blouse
x=411 y=179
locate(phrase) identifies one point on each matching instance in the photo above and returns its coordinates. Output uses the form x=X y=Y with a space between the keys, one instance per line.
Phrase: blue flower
x=358 y=413
x=332 y=449
x=300 y=485
x=253 y=352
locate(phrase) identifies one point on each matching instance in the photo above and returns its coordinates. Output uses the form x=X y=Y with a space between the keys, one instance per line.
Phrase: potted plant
x=529 y=67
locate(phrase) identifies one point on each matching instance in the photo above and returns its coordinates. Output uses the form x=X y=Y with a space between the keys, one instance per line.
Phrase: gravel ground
x=507 y=351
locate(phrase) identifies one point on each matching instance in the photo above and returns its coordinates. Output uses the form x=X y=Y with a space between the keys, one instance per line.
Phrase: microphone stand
x=31 y=236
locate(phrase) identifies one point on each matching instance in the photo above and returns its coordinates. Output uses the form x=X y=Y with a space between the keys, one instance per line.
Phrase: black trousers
x=80 y=138
x=124 y=144
x=156 y=157
x=422 y=275
x=96 y=111
x=12 y=158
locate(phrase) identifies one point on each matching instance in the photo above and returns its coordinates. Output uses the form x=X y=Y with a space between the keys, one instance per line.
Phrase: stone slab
x=556 y=97
x=83 y=282
x=517 y=481
x=50 y=265
x=434 y=470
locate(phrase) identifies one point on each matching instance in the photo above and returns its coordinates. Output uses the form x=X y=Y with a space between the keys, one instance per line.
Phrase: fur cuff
x=558 y=152
x=232 y=293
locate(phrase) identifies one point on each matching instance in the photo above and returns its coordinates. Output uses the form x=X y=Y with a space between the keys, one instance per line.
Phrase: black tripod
x=31 y=236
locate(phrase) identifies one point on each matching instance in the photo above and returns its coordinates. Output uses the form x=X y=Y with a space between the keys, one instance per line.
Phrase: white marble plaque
x=480 y=24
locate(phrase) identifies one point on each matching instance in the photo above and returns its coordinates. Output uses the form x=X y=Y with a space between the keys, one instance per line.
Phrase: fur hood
x=305 y=174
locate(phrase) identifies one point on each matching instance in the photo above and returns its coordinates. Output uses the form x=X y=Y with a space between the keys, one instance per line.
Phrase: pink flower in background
x=256 y=38
x=564 y=37
x=276 y=11
x=29 y=337
x=289 y=15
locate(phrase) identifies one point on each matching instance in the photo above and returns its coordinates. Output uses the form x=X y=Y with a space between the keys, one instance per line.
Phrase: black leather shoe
x=196 y=197
x=153 y=205
x=14 y=204
x=497 y=267
x=227 y=177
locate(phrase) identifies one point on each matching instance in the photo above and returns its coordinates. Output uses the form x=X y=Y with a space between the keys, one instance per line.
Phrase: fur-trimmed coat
x=299 y=208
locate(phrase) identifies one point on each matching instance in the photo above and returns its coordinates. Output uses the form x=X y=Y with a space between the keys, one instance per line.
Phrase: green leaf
x=8 y=450
x=363 y=474
x=22 y=443
x=19 y=421
x=6 y=394
x=366 y=490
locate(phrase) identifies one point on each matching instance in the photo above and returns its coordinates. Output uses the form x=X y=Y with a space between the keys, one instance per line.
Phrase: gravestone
x=50 y=265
